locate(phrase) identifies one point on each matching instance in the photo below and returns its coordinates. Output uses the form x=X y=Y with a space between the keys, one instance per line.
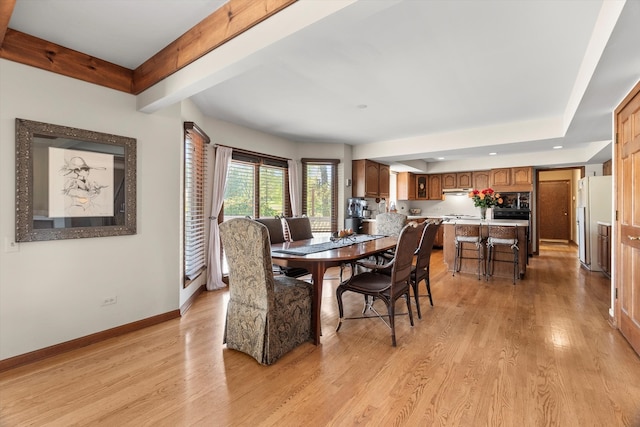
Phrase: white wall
x=51 y=292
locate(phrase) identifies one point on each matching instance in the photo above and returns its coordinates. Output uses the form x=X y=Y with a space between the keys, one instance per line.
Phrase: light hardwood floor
x=540 y=353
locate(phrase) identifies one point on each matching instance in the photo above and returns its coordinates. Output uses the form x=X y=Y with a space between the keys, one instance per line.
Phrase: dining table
x=320 y=253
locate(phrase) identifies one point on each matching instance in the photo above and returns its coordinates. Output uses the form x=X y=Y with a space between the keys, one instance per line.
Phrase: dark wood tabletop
x=318 y=262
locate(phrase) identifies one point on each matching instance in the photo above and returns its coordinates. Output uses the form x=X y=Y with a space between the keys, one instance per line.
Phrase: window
x=194 y=184
x=257 y=186
x=320 y=194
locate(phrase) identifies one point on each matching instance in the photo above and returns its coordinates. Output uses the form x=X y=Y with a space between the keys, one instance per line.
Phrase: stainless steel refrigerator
x=594 y=204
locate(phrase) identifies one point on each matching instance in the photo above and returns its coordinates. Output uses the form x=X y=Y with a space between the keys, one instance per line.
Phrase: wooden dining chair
x=388 y=288
x=420 y=271
x=297 y=228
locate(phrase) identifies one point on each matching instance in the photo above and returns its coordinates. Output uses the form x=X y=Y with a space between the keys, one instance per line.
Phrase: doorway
x=555 y=205
x=550 y=205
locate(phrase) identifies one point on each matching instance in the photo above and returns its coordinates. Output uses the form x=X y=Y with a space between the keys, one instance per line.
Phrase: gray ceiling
x=399 y=80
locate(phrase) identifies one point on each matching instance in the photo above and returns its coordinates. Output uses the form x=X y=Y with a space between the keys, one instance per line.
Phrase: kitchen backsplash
x=453 y=204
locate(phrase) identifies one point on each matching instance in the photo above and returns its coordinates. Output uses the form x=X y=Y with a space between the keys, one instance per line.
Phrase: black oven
x=510 y=213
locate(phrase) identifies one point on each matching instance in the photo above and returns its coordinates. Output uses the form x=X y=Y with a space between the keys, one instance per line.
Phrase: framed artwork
x=73 y=183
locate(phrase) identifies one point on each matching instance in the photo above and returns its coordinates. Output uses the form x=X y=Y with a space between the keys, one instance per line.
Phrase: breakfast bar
x=502 y=269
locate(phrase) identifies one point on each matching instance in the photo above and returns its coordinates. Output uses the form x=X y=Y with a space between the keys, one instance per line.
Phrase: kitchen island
x=502 y=269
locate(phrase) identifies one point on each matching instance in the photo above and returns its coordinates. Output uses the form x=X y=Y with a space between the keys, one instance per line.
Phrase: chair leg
x=416 y=288
x=515 y=263
x=428 y=283
x=455 y=258
x=392 y=320
x=407 y=298
x=489 y=258
x=339 y=293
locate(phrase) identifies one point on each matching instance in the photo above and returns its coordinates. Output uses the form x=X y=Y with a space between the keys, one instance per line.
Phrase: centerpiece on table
x=484 y=199
x=344 y=235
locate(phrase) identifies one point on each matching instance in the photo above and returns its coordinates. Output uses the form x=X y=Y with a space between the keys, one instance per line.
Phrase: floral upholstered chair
x=267 y=316
x=390 y=223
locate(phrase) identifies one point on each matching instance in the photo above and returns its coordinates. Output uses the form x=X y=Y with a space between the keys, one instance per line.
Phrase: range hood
x=456 y=191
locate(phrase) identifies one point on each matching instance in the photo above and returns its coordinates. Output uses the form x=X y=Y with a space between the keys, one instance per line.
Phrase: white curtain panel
x=294 y=187
x=214 y=271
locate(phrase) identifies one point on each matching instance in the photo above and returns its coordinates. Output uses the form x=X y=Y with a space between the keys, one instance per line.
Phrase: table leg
x=317 y=273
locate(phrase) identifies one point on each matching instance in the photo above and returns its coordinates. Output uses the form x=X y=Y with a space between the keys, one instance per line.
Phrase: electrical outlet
x=10 y=245
x=109 y=300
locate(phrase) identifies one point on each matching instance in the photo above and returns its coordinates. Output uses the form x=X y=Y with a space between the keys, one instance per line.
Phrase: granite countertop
x=506 y=222
x=608 y=224
x=411 y=217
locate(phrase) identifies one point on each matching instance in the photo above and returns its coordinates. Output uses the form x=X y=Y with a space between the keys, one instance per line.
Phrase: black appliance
x=355 y=214
x=354 y=223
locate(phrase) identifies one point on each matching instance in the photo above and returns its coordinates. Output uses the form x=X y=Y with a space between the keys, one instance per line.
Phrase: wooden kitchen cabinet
x=512 y=179
x=455 y=180
x=439 y=241
x=449 y=181
x=422 y=187
x=604 y=249
x=522 y=175
x=500 y=177
x=406 y=186
x=384 y=181
x=435 y=187
x=370 y=179
x=464 y=179
x=368 y=227
x=481 y=180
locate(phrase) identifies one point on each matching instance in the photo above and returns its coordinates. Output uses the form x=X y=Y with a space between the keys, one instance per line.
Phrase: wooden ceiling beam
x=6 y=10
x=29 y=50
x=229 y=21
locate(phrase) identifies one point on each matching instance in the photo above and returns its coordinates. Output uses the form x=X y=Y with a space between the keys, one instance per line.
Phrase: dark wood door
x=553 y=211
x=627 y=273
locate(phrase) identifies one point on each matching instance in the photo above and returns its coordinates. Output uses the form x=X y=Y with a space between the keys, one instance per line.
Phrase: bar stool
x=502 y=236
x=467 y=234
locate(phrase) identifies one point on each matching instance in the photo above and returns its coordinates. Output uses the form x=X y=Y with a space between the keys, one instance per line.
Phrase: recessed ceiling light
x=557 y=147
x=440 y=158
x=492 y=154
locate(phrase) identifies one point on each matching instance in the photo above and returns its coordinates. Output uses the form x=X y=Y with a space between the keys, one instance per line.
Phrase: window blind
x=320 y=193
x=195 y=171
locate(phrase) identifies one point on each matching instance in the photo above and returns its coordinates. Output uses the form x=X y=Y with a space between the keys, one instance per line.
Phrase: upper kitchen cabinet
x=370 y=179
x=429 y=187
x=406 y=186
x=481 y=180
x=464 y=179
x=512 y=179
x=500 y=177
x=455 y=180
x=435 y=187
x=522 y=175
x=449 y=180
x=384 y=181
x=422 y=187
